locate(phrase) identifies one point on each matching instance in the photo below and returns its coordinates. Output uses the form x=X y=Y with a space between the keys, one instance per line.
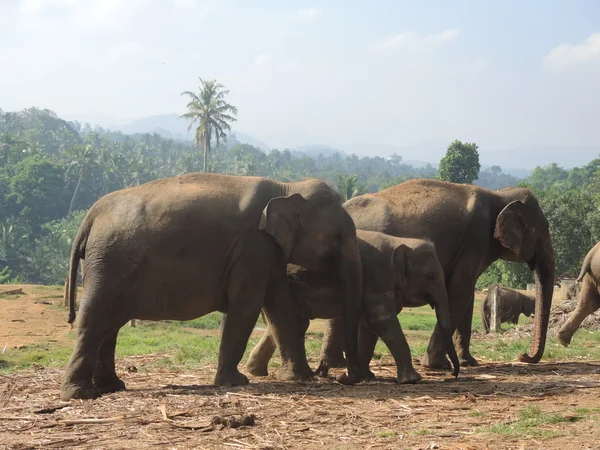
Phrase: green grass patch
x=422 y=432
x=531 y=423
x=415 y=320
x=44 y=355
x=386 y=434
x=184 y=345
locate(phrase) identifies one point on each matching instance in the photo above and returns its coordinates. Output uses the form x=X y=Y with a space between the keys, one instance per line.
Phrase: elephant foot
x=408 y=375
x=230 y=378
x=334 y=359
x=323 y=370
x=468 y=361
x=109 y=384
x=564 y=337
x=82 y=390
x=436 y=362
x=256 y=368
x=368 y=375
x=289 y=373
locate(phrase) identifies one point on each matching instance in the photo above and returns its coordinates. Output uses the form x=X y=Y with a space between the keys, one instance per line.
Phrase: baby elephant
x=513 y=305
x=397 y=272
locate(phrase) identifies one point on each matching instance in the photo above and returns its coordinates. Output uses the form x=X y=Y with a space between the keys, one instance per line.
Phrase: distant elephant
x=179 y=248
x=589 y=295
x=513 y=305
x=396 y=273
x=471 y=227
x=572 y=292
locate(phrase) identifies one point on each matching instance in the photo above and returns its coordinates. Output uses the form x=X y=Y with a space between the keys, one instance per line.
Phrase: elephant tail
x=585 y=267
x=77 y=253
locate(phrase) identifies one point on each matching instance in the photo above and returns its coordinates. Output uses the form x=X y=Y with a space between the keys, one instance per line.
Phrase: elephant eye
x=430 y=276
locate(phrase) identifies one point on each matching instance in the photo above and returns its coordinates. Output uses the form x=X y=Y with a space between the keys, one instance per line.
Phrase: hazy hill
x=517 y=161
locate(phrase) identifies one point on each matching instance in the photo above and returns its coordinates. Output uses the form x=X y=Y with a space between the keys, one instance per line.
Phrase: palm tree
x=211 y=112
x=349 y=187
x=83 y=158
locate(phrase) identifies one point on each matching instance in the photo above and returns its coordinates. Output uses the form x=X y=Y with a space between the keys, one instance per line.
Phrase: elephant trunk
x=544 y=285
x=350 y=275
x=442 y=312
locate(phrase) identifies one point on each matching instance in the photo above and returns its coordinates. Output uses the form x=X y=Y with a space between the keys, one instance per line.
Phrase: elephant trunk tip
x=456 y=370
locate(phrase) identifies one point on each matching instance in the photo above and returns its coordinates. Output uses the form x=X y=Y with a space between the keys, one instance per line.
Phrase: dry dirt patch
x=29 y=318
x=178 y=410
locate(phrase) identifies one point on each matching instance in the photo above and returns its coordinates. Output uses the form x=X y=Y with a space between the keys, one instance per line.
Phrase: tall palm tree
x=211 y=112
x=83 y=158
x=349 y=187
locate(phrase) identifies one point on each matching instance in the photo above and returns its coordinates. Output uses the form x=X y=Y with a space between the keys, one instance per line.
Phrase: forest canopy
x=53 y=170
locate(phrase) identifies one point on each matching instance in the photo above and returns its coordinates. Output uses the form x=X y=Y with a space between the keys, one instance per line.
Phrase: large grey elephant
x=513 y=305
x=397 y=272
x=179 y=248
x=471 y=227
x=589 y=295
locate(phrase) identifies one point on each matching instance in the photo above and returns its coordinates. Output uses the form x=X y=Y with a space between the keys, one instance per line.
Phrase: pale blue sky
x=502 y=74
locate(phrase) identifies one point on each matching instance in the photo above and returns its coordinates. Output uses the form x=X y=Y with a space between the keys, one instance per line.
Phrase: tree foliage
x=211 y=114
x=461 y=163
x=52 y=171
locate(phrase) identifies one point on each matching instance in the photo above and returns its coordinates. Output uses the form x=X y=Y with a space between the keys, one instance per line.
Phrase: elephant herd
x=182 y=247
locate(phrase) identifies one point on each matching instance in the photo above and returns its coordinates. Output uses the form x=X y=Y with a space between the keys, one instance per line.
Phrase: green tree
x=83 y=159
x=212 y=114
x=349 y=186
x=461 y=163
x=548 y=176
x=37 y=191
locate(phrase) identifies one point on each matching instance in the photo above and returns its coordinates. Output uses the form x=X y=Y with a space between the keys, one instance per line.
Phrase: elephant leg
x=460 y=298
x=367 y=340
x=332 y=349
x=261 y=354
x=485 y=322
x=589 y=301
x=463 y=336
x=389 y=330
x=282 y=316
x=95 y=325
x=258 y=361
x=105 y=376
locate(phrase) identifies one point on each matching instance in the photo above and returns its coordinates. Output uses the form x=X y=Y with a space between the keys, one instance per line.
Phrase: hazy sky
x=337 y=72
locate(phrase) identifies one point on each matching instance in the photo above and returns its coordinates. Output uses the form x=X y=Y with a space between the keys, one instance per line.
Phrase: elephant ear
x=401 y=263
x=511 y=225
x=281 y=219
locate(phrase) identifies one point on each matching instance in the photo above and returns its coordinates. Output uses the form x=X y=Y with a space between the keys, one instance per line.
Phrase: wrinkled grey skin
x=513 y=305
x=397 y=272
x=179 y=248
x=471 y=227
x=589 y=295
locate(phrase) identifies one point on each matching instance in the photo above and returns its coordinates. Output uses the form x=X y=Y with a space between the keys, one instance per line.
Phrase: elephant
x=571 y=292
x=471 y=227
x=397 y=272
x=589 y=295
x=179 y=248
x=513 y=305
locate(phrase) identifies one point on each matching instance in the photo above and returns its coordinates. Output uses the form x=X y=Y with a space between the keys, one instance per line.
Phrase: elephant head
x=523 y=231
x=420 y=278
x=315 y=231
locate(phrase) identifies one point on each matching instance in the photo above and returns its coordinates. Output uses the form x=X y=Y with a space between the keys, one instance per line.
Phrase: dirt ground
x=181 y=410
